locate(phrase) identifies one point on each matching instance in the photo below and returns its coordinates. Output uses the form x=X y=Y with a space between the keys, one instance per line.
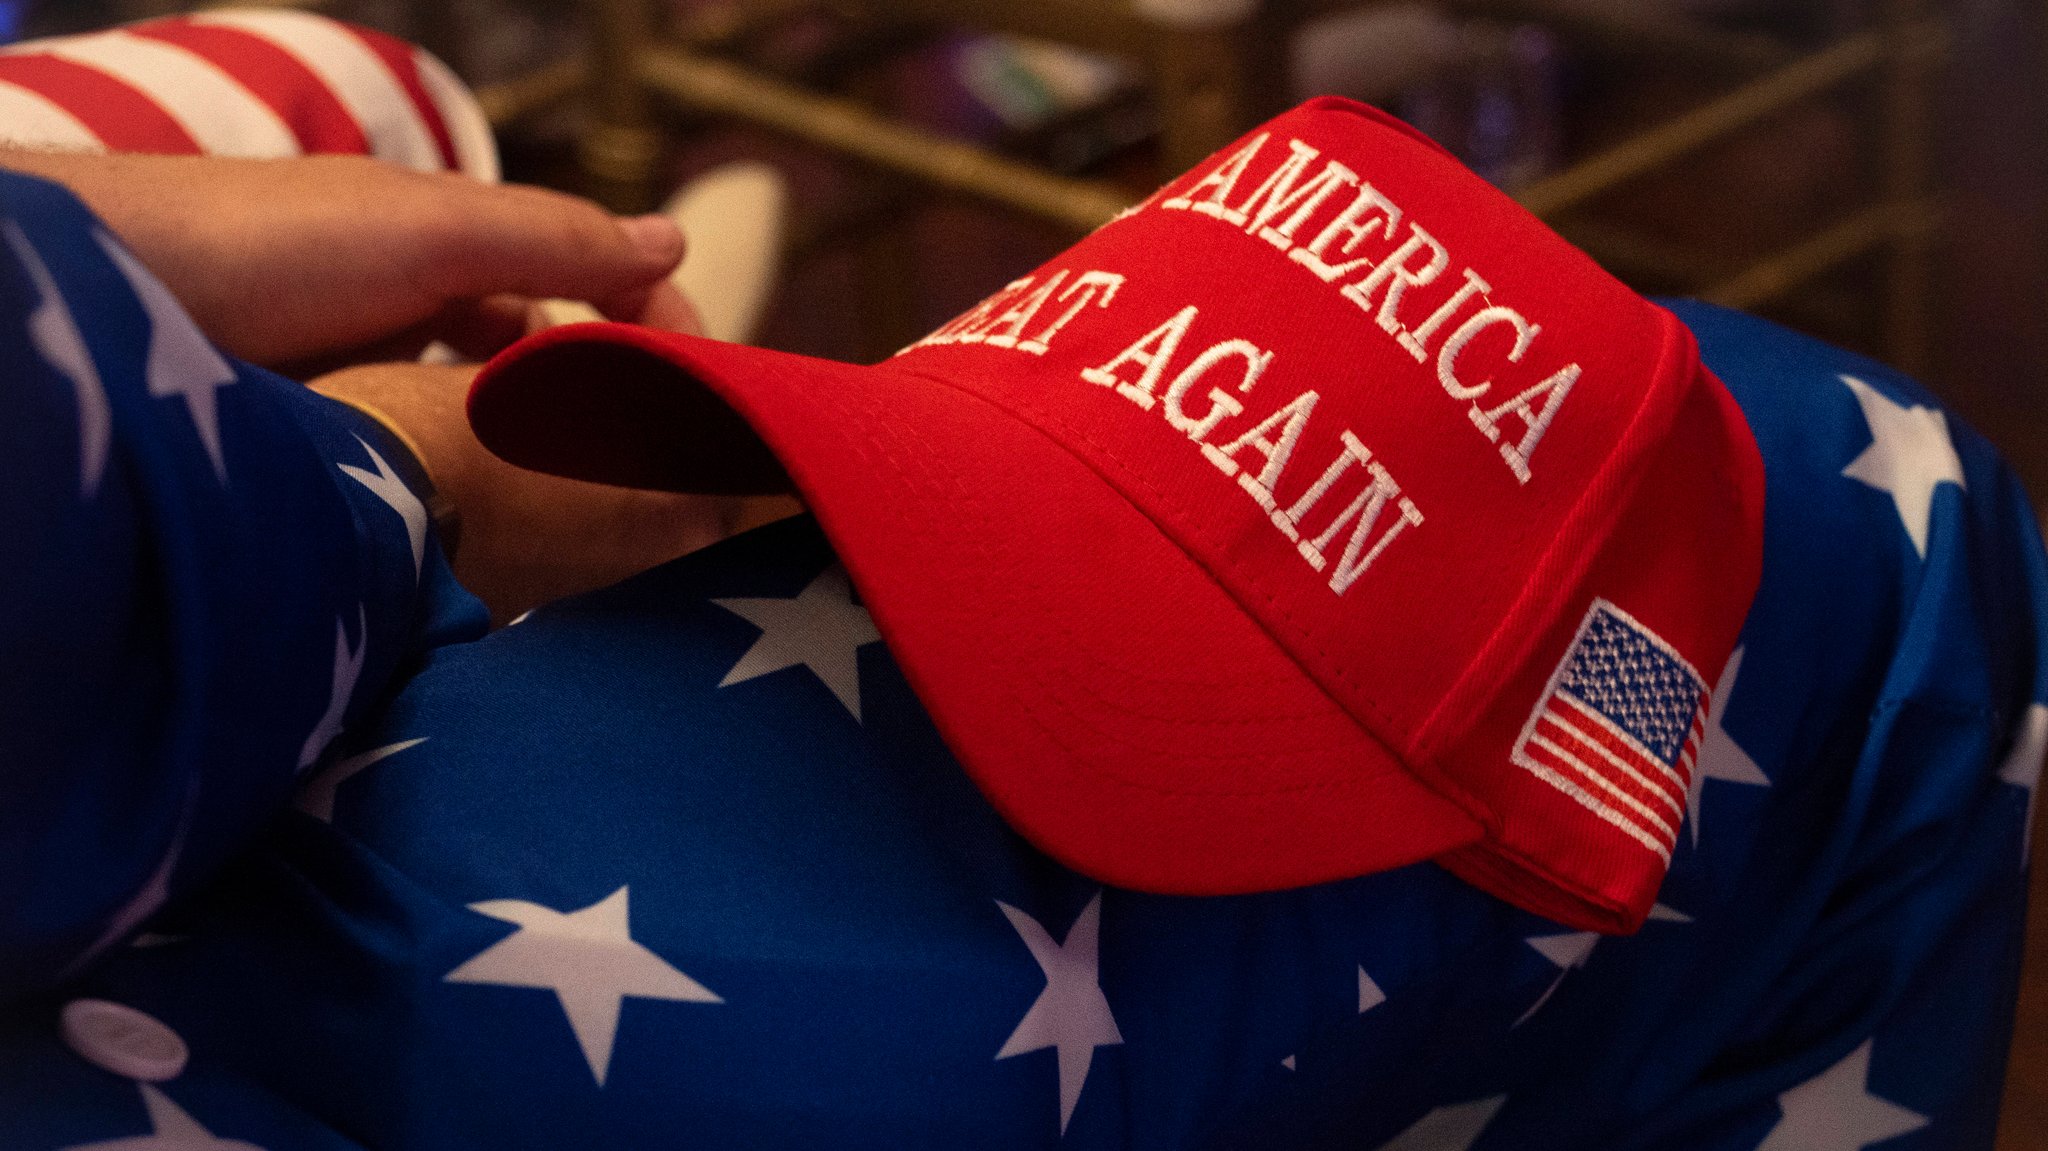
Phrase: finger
x=533 y=242
x=545 y=314
x=480 y=329
x=661 y=305
x=402 y=347
x=476 y=329
x=671 y=311
x=625 y=307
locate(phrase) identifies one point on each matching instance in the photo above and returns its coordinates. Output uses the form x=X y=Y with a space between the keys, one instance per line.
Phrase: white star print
x=348 y=665
x=317 y=797
x=1453 y=1128
x=588 y=958
x=149 y=939
x=171 y=1130
x=1835 y=1111
x=821 y=628
x=2022 y=766
x=57 y=339
x=1664 y=914
x=147 y=901
x=1720 y=756
x=385 y=485
x=149 y=898
x=1071 y=1014
x=1369 y=993
x=1569 y=951
x=1909 y=454
x=181 y=362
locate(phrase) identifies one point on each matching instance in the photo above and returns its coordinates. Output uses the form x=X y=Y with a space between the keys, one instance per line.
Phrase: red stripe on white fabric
x=476 y=148
x=124 y=119
x=316 y=118
x=30 y=119
x=355 y=75
x=221 y=116
x=397 y=56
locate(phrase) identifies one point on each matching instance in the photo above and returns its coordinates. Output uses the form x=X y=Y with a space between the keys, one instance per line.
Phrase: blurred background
x=1874 y=172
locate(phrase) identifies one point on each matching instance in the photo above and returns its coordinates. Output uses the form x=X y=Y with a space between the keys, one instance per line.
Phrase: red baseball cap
x=1322 y=514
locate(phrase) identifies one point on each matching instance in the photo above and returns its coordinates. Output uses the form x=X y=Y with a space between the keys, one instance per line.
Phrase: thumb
x=538 y=243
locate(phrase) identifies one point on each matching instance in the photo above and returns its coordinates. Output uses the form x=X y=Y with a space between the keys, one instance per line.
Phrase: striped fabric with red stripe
x=397 y=56
x=125 y=119
x=272 y=75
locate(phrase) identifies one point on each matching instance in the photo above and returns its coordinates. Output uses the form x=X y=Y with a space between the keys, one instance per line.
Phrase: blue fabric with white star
x=682 y=863
x=195 y=598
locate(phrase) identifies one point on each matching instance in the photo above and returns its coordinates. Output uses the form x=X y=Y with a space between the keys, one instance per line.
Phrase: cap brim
x=1106 y=694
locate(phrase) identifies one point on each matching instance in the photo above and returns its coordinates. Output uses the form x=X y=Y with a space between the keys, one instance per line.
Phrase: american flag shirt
x=253 y=83
x=682 y=863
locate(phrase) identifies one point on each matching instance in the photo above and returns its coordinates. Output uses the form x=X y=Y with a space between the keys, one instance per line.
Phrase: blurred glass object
x=1029 y=83
x=1488 y=91
x=1498 y=104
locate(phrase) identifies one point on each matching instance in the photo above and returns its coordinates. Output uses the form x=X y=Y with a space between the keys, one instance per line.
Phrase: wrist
x=409 y=426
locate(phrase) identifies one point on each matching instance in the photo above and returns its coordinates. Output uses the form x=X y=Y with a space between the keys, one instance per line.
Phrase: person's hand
x=340 y=259
x=528 y=538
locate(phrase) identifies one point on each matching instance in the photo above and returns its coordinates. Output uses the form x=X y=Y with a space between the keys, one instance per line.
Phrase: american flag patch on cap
x=1618 y=727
